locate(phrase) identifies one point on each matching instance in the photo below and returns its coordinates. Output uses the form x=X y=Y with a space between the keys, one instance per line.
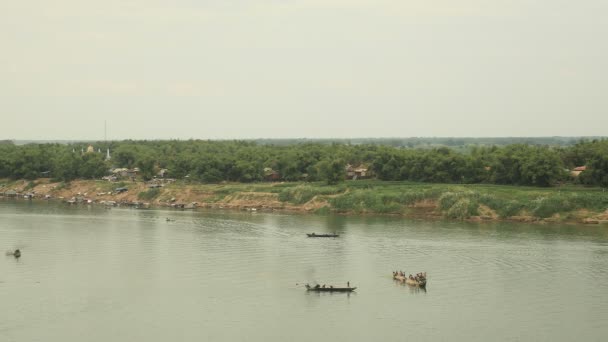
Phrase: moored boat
x=322 y=235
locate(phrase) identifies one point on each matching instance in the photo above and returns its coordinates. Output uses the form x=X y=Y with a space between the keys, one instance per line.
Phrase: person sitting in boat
x=317 y=286
x=17 y=253
x=411 y=277
x=323 y=285
x=331 y=286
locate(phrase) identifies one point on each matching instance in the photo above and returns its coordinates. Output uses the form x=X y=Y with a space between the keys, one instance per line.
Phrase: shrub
x=149 y=194
x=30 y=185
x=547 y=206
x=62 y=185
x=462 y=209
x=304 y=193
x=508 y=209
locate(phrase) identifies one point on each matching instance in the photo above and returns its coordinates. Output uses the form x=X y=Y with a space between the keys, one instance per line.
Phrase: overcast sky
x=214 y=69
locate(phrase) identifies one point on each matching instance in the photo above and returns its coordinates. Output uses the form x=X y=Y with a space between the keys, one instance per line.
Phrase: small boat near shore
x=313 y=235
x=318 y=288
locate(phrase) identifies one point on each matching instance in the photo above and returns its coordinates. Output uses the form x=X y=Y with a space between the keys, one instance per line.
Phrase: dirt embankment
x=169 y=196
x=192 y=196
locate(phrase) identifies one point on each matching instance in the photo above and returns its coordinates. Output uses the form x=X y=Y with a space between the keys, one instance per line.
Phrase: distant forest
x=421 y=142
x=515 y=161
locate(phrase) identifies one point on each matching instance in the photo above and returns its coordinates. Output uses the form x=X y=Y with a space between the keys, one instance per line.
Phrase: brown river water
x=94 y=274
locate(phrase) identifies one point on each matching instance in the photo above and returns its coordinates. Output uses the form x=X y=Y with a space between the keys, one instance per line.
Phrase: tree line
x=250 y=161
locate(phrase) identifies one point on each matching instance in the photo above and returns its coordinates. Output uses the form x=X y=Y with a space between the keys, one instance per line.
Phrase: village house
x=125 y=173
x=271 y=175
x=577 y=171
x=357 y=172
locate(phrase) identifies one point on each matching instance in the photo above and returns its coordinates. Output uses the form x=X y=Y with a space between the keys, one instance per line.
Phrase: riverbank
x=568 y=204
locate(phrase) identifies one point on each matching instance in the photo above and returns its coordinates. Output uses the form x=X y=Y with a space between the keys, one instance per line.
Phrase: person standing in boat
x=348 y=284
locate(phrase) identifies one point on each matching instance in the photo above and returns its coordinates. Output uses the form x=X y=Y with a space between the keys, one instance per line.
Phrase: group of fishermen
x=16 y=253
x=418 y=277
x=330 y=286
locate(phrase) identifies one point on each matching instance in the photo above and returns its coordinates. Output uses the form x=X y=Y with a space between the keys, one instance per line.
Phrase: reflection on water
x=412 y=288
x=238 y=276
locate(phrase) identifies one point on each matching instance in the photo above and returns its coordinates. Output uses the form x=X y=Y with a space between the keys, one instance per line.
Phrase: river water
x=95 y=274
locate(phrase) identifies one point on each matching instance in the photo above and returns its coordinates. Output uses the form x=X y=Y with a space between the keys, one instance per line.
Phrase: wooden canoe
x=322 y=235
x=330 y=289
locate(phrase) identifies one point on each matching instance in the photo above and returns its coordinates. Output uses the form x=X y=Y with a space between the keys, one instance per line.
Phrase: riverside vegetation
x=408 y=199
x=476 y=184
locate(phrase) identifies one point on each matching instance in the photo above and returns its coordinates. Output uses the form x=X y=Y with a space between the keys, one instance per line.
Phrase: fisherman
x=348 y=284
x=323 y=285
x=17 y=253
x=317 y=286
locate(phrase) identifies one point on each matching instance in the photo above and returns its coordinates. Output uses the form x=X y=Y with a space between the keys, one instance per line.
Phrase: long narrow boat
x=399 y=277
x=322 y=235
x=329 y=289
x=414 y=282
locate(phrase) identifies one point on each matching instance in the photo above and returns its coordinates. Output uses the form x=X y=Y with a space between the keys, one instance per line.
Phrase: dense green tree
x=331 y=170
x=244 y=161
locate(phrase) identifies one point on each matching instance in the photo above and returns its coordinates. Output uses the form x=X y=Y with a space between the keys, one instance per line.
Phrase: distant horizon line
x=307 y=138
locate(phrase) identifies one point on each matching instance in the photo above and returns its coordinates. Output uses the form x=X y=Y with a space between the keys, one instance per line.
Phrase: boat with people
x=418 y=280
x=16 y=253
x=322 y=235
x=324 y=288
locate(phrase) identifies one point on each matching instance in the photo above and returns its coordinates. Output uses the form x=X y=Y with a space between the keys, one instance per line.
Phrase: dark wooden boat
x=322 y=235
x=329 y=289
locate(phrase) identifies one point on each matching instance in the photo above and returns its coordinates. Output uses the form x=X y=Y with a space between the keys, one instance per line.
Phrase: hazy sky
x=302 y=68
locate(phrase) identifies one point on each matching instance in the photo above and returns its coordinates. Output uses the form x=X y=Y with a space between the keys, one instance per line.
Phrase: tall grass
x=453 y=201
x=459 y=205
x=303 y=193
x=148 y=194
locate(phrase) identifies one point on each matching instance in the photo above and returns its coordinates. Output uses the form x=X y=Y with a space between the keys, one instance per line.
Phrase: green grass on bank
x=382 y=197
x=453 y=201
